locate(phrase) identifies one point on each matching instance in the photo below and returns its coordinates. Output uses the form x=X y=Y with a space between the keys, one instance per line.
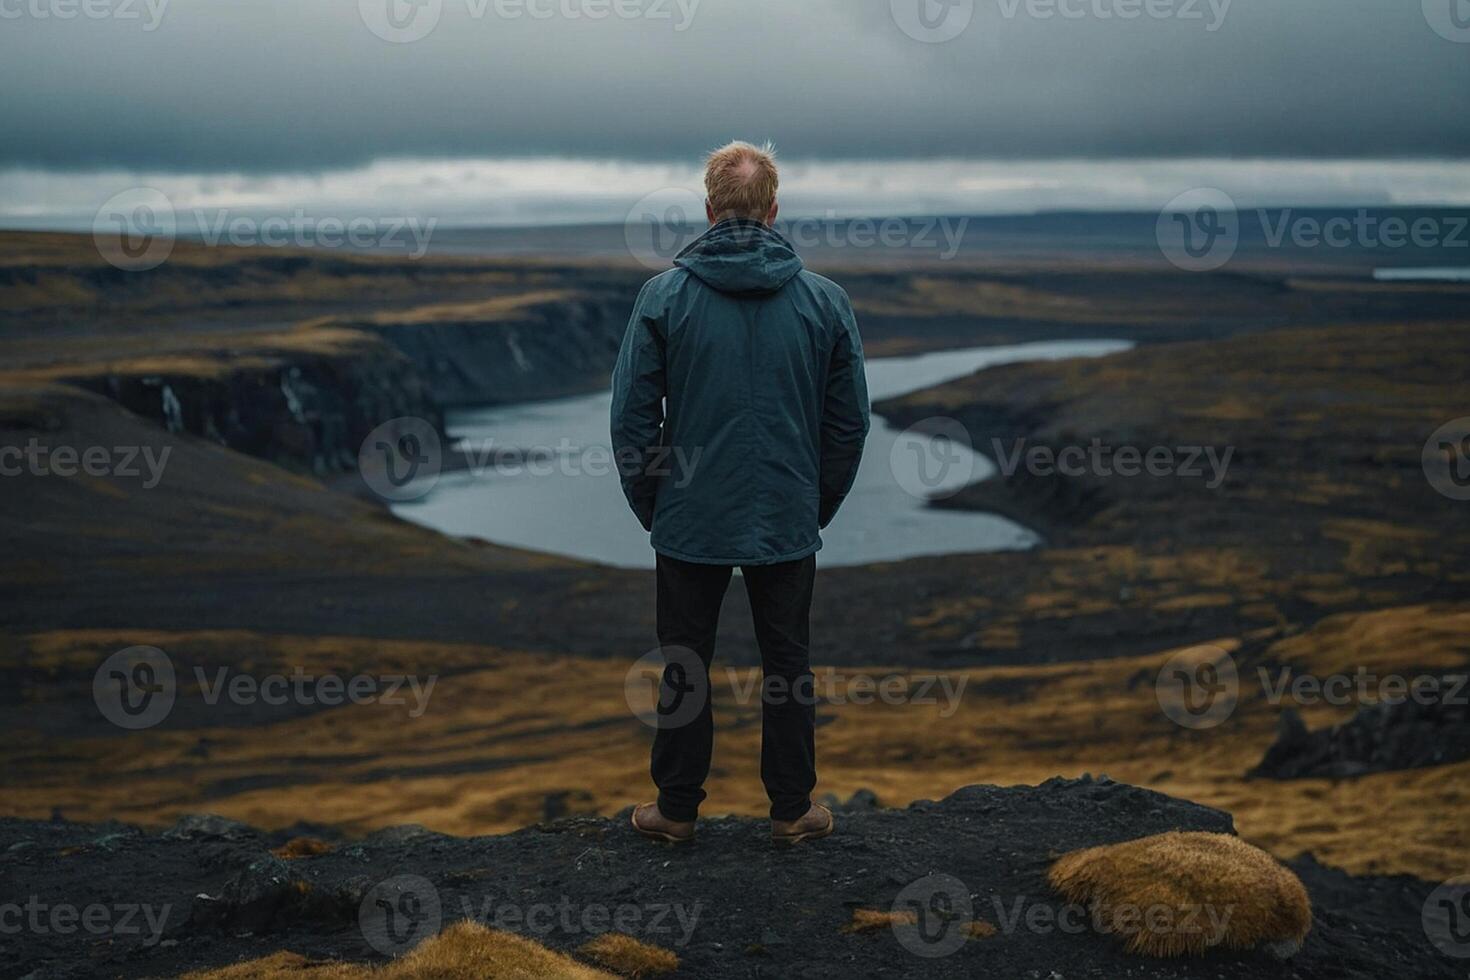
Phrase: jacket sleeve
x=845 y=416
x=638 y=410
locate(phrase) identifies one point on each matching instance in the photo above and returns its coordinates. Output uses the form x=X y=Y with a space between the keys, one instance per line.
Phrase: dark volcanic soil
x=731 y=905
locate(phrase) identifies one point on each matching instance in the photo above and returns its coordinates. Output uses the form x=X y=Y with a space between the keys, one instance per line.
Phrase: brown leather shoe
x=817 y=823
x=651 y=823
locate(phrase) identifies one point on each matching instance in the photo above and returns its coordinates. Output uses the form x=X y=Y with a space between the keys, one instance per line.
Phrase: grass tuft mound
x=627 y=956
x=464 y=951
x=1179 y=894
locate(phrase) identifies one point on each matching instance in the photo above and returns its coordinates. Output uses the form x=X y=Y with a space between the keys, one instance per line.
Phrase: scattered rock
x=265 y=891
x=195 y=826
x=402 y=834
x=863 y=799
x=1382 y=737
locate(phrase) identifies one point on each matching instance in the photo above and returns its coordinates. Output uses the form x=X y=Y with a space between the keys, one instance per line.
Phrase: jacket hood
x=741 y=257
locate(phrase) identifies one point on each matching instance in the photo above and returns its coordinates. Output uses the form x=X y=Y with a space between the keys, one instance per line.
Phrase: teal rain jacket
x=740 y=406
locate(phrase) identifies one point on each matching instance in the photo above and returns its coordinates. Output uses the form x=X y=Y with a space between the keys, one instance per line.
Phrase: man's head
x=740 y=181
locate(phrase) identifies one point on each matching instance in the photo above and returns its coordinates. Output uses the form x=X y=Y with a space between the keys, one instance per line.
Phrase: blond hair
x=740 y=181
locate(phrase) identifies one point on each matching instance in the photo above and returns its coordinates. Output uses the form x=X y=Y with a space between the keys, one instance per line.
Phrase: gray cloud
x=287 y=85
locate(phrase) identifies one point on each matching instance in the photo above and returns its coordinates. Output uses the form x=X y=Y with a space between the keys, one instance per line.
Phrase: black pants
x=689 y=600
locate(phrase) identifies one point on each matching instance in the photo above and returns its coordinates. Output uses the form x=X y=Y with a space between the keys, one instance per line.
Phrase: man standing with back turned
x=738 y=419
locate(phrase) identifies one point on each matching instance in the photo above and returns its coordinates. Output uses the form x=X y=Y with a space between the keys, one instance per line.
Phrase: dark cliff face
x=542 y=350
x=303 y=409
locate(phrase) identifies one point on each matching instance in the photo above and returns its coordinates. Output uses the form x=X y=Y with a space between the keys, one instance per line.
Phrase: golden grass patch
x=627 y=956
x=302 y=847
x=1180 y=894
x=464 y=951
x=282 y=966
x=499 y=740
x=866 y=921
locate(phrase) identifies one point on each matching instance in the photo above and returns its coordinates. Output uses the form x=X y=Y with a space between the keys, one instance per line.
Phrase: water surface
x=567 y=500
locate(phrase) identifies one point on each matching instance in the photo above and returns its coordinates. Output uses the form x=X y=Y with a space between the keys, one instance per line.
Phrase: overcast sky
x=284 y=89
x=283 y=85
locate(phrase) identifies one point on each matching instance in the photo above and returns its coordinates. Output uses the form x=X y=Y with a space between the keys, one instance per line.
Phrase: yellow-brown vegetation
x=499 y=738
x=627 y=956
x=464 y=951
x=1179 y=894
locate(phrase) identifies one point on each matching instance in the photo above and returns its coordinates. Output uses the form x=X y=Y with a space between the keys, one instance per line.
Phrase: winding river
x=557 y=492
